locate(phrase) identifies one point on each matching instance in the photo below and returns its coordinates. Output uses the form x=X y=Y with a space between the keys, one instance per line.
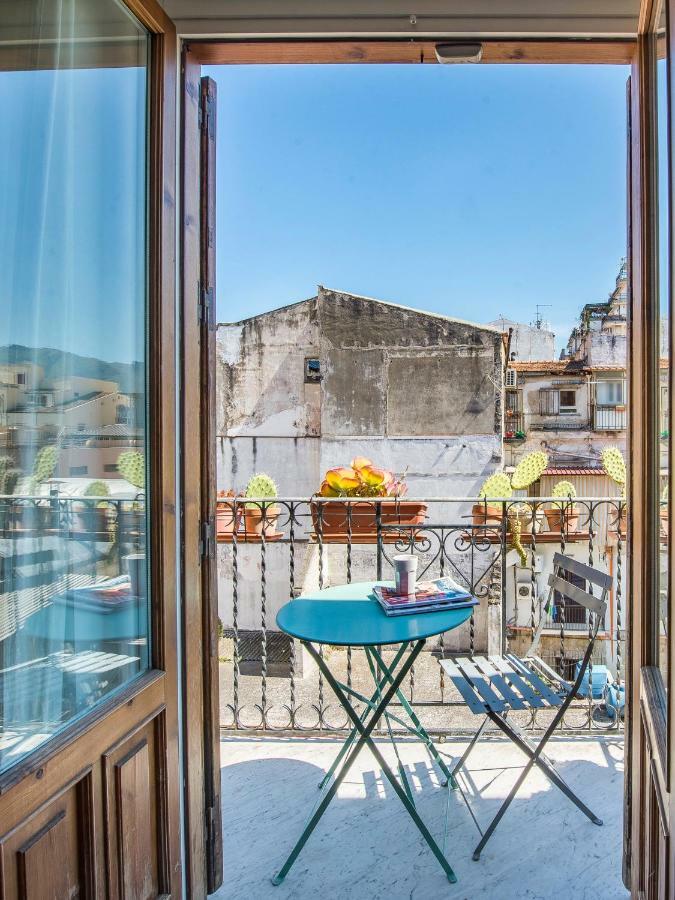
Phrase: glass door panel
x=73 y=285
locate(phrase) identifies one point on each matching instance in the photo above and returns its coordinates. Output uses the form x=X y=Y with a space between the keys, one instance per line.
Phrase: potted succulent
x=131 y=466
x=363 y=479
x=497 y=486
x=261 y=518
x=562 y=514
x=92 y=517
x=228 y=513
x=527 y=472
x=615 y=468
x=36 y=514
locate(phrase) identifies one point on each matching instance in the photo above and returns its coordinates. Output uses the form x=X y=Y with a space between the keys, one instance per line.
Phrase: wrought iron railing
x=609 y=418
x=51 y=543
x=273 y=550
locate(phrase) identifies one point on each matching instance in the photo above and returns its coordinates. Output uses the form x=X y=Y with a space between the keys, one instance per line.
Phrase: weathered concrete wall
x=606 y=349
x=411 y=390
x=528 y=343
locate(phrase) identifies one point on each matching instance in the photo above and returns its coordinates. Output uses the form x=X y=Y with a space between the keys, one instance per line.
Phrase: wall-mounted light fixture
x=459 y=53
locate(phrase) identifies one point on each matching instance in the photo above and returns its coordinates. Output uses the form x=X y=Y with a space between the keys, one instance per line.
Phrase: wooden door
x=198 y=394
x=89 y=762
x=649 y=866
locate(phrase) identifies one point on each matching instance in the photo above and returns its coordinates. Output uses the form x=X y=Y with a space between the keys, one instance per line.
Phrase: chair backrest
x=597 y=581
x=565 y=565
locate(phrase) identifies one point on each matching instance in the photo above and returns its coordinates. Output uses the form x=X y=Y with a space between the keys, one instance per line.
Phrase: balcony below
x=367 y=847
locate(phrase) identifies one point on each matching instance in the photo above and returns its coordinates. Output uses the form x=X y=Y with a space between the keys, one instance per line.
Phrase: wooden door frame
x=649 y=861
x=84 y=753
x=194 y=54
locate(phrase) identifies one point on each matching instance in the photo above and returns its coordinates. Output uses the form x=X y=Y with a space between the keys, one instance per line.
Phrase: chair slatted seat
x=493 y=686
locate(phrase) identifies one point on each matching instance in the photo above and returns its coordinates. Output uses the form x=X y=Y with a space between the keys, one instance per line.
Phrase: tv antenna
x=538 y=322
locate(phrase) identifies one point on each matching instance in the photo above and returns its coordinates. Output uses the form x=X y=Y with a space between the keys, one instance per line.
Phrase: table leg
x=370 y=704
x=421 y=730
x=365 y=739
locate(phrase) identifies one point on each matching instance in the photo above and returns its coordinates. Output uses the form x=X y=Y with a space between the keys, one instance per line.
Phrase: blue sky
x=473 y=191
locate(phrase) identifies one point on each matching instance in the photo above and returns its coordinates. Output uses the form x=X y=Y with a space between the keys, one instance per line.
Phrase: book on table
x=429 y=596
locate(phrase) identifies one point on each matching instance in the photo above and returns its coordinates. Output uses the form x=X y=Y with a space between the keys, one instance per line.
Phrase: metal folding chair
x=493 y=686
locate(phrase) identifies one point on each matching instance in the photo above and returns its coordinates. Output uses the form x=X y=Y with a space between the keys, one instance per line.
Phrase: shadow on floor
x=366 y=846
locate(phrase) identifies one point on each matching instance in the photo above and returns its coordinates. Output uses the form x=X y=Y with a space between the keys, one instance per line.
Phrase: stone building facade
x=311 y=385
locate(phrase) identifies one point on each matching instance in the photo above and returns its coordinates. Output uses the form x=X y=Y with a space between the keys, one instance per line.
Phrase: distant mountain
x=61 y=364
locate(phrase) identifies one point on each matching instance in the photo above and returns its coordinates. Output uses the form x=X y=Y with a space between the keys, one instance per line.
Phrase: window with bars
x=557 y=401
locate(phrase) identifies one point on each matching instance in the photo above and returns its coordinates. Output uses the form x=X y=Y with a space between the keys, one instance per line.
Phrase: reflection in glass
x=664 y=354
x=73 y=586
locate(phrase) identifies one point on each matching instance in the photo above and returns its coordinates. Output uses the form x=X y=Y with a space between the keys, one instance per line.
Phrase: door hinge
x=206 y=540
x=204 y=304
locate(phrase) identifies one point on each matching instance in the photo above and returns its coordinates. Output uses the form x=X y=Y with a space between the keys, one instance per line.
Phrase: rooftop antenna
x=539 y=321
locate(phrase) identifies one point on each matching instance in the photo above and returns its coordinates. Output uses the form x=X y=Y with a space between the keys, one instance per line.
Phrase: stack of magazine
x=429 y=596
x=103 y=597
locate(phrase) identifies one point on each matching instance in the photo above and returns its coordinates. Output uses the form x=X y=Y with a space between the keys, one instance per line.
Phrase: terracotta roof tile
x=573 y=470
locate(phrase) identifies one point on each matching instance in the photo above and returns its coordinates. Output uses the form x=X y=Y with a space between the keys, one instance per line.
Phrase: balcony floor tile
x=367 y=847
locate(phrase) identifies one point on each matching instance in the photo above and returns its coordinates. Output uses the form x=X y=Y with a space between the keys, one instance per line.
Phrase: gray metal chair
x=496 y=685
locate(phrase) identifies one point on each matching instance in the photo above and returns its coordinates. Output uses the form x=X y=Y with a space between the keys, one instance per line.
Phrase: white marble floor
x=367 y=847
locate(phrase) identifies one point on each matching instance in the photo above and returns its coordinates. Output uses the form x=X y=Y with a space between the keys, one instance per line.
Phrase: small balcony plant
x=496 y=487
x=228 y=513
x=528 y=471
x=614 y=465
x=261 y=517
x=361 y=484
x=563 y=514
x=131 y=516
x=92 y=517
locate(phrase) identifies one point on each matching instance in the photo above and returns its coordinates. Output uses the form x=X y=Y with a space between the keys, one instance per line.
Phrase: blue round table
x=350 y=616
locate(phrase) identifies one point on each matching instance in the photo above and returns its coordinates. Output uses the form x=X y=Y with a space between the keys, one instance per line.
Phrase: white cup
x=405 y=573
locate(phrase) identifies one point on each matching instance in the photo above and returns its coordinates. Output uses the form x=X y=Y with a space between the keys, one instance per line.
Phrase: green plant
x=497 y=486
x=98 y=489
x=9 y=475
x=614 y=465
x=44 y=466
x=261 y=487
x=131 y=465
x=566 y=490
x=529 y=470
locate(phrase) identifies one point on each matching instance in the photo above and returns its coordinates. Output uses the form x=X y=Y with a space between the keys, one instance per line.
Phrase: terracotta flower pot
x=556 y=517
x=260 y=521
x=482 y=514
x=228 y=517
x=525 y=517
x=92 y=520
x=335 y=518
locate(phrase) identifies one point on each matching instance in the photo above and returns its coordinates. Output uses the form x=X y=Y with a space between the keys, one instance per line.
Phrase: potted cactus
x=563 y=514
x=92 y=517
x=35 y=514
x=131 y=466
x=228 y=513
x=497 y=487
x=615 y=468
x=363 y=479
x=527 y=472
x=260 y=518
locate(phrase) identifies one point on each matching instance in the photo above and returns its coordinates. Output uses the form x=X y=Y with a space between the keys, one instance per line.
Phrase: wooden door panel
x=133 y=813
x=47 y=856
